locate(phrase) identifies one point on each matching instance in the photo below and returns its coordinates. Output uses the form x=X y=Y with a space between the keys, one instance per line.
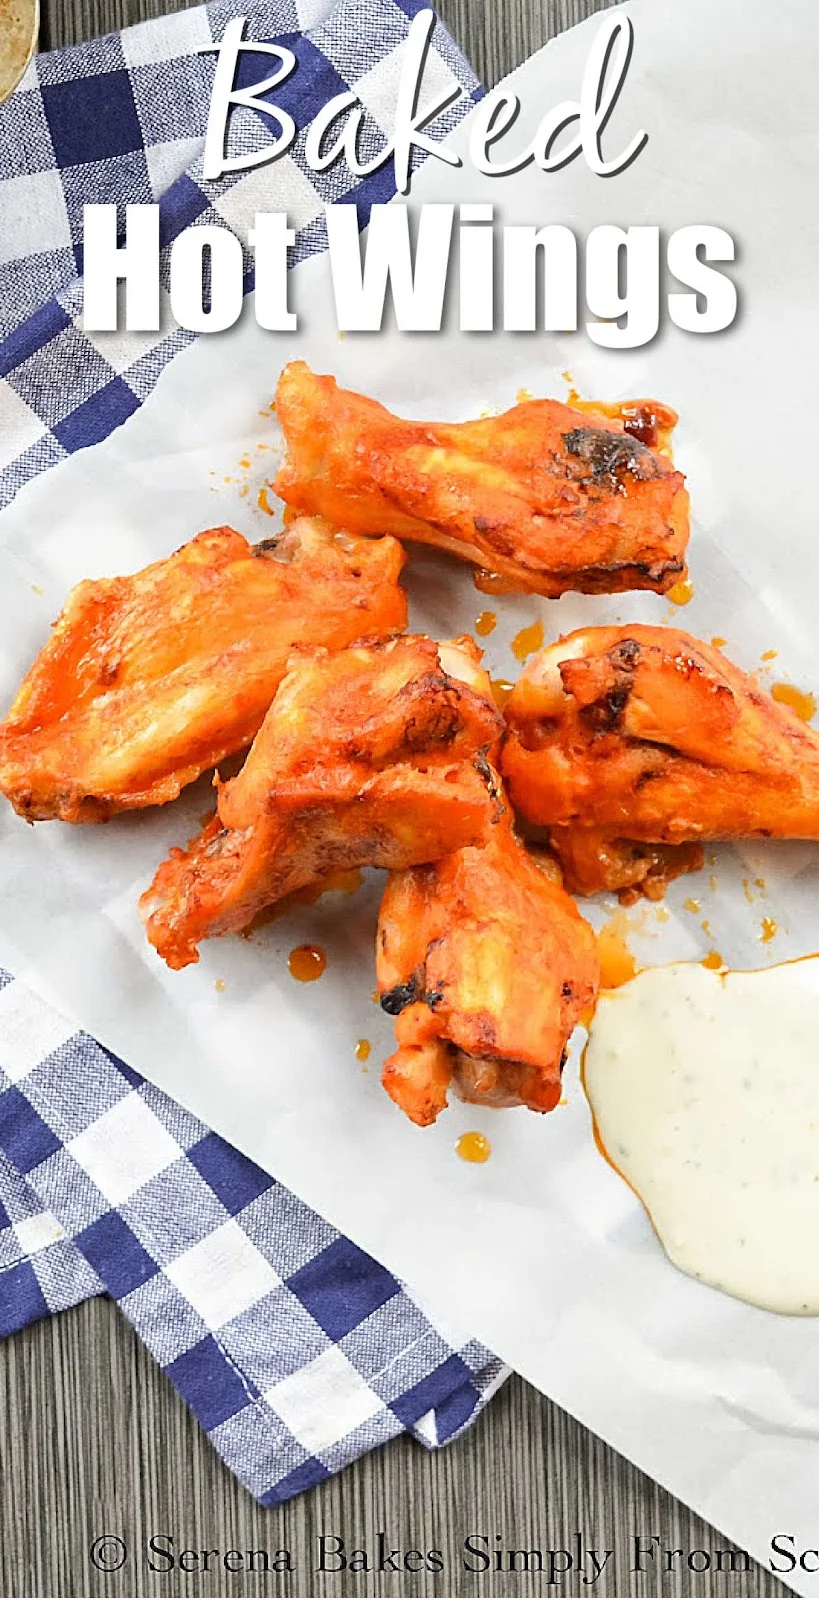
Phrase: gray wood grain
x=94 y=1440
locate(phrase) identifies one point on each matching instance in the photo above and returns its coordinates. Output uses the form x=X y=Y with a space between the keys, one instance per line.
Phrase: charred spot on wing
x=626 y=653
x=490 y=777
x=268 y=546
x=603 y=716
x=610 y=457
x=394 y=1000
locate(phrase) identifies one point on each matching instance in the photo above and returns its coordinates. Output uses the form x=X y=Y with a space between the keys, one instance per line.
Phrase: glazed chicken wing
x=632 y=744
x=147 y=681
x=548 y=497
x=487 y=966
x=376 y=755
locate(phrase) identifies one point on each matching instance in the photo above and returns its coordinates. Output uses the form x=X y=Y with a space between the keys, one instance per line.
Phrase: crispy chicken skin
x=548 y=497
x=623 y=739
x=487 y=965
x=375 y=755
x=147 y=681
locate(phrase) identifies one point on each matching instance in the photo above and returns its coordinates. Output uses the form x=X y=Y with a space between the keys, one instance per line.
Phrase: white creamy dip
x=704 y=1087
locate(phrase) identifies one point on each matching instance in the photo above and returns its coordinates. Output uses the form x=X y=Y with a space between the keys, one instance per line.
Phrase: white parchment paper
x=543 y=1252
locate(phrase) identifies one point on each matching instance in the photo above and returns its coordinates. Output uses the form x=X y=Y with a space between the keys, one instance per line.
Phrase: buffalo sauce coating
x=705 y=1098
x=501 y=690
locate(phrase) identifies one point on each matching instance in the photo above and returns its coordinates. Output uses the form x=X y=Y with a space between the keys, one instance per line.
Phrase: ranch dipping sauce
x=704 y=1088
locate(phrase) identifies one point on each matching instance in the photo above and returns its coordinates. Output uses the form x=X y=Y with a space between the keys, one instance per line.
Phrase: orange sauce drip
x=473 y=1147
x=496 y=582
x=617 y=963
x=802 y=704
x=626 y=411
x=768 y=930
x=680 y=593
x=524 y=395
x=501 y=690
x=718 y=641
x=527 y=641
x=362 y=1050
x=220 y=986
x=307 y=962
x=692 y=905
x=485 y=623
x=596 y=1135
x=262 y=501
x=769 y=655
x=713 y=961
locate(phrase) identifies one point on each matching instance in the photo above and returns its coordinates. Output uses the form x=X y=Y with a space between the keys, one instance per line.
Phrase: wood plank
x=94 y=1440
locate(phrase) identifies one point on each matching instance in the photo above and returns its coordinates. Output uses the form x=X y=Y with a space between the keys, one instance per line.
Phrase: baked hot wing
x=548 y=497
x=149 y=680
x=487 y=966
x=634 y=744
x=376 y=755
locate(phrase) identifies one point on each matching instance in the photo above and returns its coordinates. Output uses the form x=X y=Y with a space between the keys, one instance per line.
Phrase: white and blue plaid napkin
x=123 y=119
x=296 y=1351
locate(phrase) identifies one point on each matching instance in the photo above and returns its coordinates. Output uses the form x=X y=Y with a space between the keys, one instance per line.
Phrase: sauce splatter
x=680 y=593
x=36 y=588
x=528 y=641
x=501 y=690
x=769 y=655
x=718 y=641
x=768 y=930
x=617 y=963
x=262 y=501
x=220 y=986
x=485 y=623
x=692 y=906
x=362 y=1050
x=713 y=961
x=473 y=1147
x=802 y=704
x=524 y=395
x=307 y=962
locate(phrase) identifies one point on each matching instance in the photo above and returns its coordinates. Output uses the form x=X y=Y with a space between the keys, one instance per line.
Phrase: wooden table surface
x=94 y=1440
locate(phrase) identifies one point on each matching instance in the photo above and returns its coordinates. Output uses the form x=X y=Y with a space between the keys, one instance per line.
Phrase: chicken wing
x=376 y=755
x=487 y=965
x=149 y=680
x=547 y=497
x=633 y=744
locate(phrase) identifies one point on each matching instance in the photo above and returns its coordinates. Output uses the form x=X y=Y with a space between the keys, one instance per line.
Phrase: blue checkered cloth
x=123 y=120
x=296 y=1351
